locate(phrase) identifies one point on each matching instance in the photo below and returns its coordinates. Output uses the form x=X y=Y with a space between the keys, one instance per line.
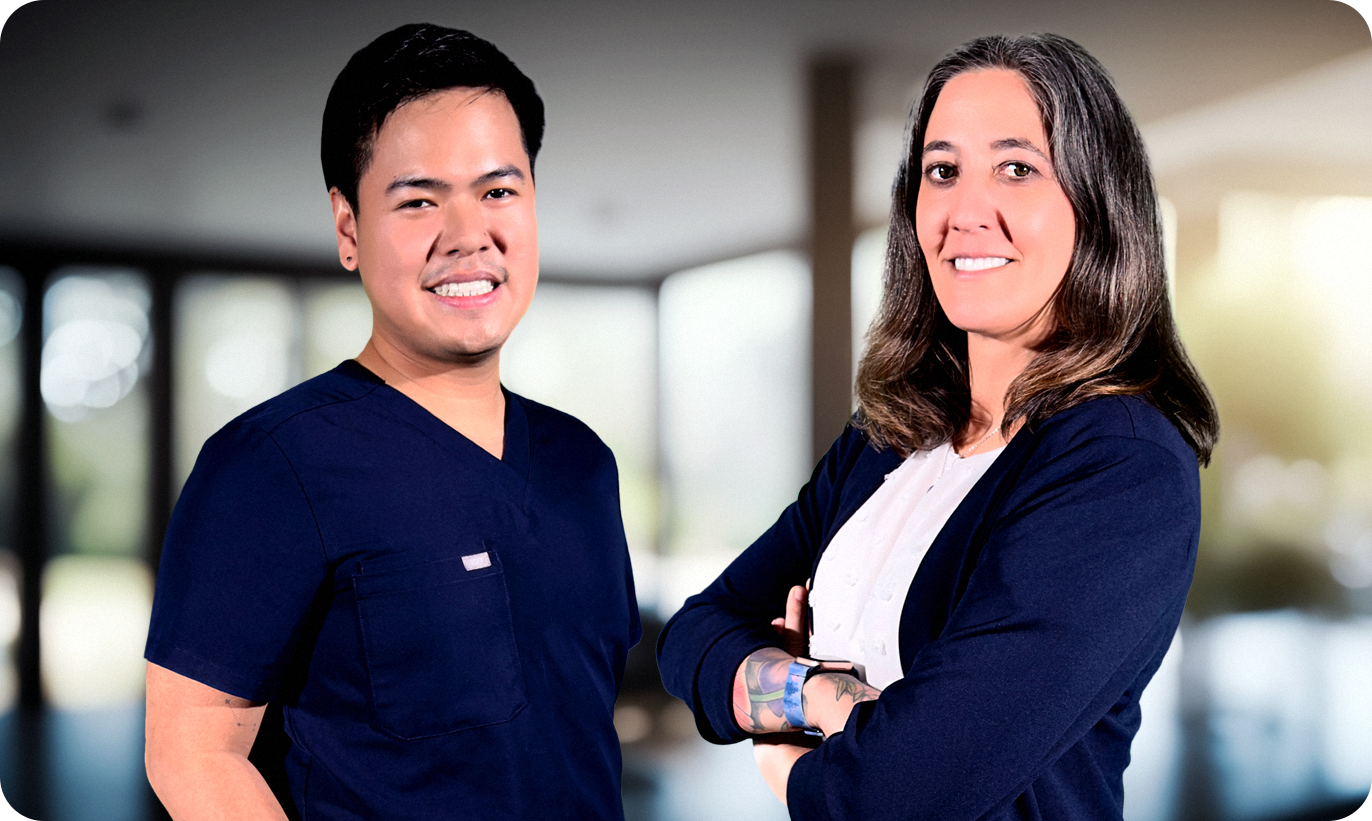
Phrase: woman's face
x=995 y=227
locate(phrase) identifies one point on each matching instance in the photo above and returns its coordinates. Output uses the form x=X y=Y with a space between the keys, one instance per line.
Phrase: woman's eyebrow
x=938 y=145
x=1017 y=142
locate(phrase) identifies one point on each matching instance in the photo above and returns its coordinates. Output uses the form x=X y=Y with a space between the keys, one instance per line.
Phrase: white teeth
x=476 y=287
x=979 y=263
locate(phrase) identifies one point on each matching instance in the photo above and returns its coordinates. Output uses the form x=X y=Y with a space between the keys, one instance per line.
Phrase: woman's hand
x=775 y=758
x=795 y=638
x=827 y=699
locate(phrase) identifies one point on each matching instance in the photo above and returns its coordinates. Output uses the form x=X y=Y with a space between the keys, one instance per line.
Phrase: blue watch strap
x=791 y=705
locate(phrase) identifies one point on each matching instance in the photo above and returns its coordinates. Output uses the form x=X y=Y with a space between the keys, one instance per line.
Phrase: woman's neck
x=992 y=365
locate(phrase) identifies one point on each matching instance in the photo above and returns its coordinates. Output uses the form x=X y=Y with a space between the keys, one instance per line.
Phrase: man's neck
x=467 y=398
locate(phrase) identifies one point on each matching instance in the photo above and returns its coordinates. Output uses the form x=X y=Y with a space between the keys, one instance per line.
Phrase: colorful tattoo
x=764 y=676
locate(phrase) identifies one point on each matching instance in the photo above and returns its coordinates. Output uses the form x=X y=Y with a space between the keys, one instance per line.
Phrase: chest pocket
x=439 y=646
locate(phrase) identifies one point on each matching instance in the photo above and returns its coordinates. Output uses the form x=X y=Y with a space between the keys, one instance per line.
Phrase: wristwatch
x=796 y=675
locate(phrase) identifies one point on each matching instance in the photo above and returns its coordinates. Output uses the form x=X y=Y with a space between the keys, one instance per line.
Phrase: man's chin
x=468 y=354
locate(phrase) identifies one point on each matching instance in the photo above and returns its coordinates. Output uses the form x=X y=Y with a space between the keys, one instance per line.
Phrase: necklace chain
x=953 y=453
x=990 y=431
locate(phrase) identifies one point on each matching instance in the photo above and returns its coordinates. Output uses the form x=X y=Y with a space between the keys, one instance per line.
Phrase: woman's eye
x=941 y=172
x=1018 y=170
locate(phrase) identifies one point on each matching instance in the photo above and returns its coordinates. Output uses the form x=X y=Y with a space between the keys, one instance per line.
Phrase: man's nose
x=463 y=229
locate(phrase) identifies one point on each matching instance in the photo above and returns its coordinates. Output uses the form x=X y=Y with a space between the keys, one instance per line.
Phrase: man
x=426 y=573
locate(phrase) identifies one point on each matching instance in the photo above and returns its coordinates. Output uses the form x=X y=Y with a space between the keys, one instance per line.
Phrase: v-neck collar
x=515 y=456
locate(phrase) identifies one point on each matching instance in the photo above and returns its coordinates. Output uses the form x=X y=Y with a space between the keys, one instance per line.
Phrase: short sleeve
x=242 y=567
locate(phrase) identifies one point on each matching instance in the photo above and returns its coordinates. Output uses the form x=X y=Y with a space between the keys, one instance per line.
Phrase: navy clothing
x=1041 y=610
x=445 y=631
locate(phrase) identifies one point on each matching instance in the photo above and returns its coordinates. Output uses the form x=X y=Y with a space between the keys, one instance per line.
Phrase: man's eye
x=499 y=193
x=414 y=203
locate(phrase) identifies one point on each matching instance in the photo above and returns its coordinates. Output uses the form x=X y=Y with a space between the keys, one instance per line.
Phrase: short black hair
x=403 y=65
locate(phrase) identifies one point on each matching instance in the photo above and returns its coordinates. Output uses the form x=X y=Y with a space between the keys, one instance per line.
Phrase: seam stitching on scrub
x=319 y=534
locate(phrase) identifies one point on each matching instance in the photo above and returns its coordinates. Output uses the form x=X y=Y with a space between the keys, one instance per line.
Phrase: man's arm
x=198 y=740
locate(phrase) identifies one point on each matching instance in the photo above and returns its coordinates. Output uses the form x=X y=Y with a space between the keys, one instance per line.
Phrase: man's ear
x=345 y=229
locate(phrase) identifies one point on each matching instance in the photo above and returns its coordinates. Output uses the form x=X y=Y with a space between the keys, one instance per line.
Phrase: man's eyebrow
x=426 y=183
x=1017 y=142
x=501 y=173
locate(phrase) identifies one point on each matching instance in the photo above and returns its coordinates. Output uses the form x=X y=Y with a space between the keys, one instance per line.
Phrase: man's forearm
x=196 y=752
x=211 y=787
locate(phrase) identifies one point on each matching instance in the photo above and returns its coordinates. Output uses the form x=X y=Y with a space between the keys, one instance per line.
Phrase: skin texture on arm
x=198 y=740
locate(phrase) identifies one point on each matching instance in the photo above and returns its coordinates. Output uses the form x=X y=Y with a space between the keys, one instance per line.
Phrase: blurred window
x=11 y=317
x=1289 y=720
x=236 y=343
x=96 y=591
x=735 y=355
x=338 y=321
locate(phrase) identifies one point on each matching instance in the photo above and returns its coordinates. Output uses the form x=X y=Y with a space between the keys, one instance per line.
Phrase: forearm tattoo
x=846 y=688
x=758 y=707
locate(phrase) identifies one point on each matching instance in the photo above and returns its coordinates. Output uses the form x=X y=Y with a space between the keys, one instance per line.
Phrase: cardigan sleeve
x=702 y=646
x=1077 y=588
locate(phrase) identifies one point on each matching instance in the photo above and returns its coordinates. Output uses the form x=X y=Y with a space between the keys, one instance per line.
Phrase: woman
x=1004 y=537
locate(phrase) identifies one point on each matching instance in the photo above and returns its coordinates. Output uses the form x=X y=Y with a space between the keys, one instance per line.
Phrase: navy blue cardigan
x=1041 y=610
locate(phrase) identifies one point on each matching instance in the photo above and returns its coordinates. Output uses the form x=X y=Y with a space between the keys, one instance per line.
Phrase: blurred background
x=713 y=195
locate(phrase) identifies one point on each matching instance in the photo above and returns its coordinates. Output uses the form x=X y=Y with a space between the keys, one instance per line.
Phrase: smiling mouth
x=476 y=287
x=979 y=263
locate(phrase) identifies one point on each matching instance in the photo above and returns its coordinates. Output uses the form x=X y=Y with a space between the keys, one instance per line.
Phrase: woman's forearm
x=759 y=686
x=827 y=699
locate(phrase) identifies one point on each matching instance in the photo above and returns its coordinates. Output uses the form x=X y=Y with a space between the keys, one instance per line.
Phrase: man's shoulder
x=293 y=417
x=332 y=388
x=545 y=420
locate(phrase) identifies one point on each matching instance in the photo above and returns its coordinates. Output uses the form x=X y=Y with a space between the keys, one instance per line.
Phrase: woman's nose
x=972 y=207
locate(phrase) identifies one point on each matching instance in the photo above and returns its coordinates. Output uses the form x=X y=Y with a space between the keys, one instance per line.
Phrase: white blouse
x=859 y=587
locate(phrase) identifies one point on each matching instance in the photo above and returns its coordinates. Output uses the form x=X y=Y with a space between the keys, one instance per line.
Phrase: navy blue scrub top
x=445 y=631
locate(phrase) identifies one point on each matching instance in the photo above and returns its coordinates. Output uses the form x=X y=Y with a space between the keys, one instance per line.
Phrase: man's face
x=444 y=236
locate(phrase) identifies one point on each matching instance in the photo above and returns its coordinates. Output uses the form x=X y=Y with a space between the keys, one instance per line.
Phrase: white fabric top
x=859 y=587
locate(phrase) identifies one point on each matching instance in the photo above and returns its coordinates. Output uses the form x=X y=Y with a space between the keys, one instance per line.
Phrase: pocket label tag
x=477 y=561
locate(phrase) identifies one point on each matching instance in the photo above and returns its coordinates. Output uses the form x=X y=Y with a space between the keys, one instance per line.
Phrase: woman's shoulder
x=1122 y=421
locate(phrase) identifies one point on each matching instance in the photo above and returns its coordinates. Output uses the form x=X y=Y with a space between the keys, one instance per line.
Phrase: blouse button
x=886 y=593
x=881 y=647
x=851 y=579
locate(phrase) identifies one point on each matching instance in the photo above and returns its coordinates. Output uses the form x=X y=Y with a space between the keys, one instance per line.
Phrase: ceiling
x=675 y=130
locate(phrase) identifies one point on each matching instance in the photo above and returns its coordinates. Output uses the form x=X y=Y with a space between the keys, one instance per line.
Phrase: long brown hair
x=1113 y=331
